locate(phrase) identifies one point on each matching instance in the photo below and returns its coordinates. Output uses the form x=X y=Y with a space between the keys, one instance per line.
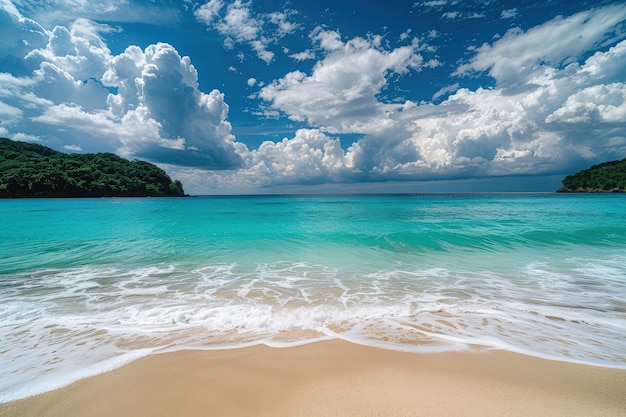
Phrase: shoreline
x=336 y=378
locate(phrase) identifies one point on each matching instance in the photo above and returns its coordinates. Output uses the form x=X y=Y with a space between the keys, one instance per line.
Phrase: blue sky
x=326 y=96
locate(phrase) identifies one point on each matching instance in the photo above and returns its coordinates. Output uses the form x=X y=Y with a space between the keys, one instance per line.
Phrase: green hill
x=31 y=170
x=602 y=178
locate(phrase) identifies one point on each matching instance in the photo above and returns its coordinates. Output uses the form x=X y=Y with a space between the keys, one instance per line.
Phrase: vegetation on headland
x=603 y=178
x=31 y=170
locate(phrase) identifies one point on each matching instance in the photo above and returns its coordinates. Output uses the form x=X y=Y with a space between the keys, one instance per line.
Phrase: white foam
x=62 y=325
x=28 y=387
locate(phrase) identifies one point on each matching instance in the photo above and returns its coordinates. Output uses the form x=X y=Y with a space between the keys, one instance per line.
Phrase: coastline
x=336 y=378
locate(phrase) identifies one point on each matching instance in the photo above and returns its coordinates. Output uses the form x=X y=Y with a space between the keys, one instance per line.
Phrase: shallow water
x=87 y=285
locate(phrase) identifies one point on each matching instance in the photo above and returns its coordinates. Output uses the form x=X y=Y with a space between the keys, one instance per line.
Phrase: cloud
x=303 y=56
x=514 y=57
x=432 y=3
x=509 y=13
x=550 y=123
x=9 y=112
x=63 y=12
x=404 y=35
x=564 y=116
x=208 y=12
x=239 y=24
x=61 y=68
x=25 y=137
x=73 y=148
x=159 y=90
x=19 y=36
x=143 y=103
x=595 y=104
x=445 y=90
x=452 y=15
x=559 y=117
x=340 y=93
x=18 y=32
x=284 y=27
x=310 y=157
x=556 y=99
x=79 y=50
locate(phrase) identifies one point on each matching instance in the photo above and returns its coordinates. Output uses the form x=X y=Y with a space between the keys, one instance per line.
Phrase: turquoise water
x=87 y=285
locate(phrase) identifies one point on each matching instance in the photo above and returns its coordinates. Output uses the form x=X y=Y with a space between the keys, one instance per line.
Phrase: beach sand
x=336 y=379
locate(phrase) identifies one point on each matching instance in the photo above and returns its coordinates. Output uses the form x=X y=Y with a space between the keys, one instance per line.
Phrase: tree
x=31 y=170
x=605 y=177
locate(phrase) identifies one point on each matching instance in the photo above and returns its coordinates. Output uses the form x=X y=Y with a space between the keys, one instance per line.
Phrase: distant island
x=30 y=170
x=609 y=177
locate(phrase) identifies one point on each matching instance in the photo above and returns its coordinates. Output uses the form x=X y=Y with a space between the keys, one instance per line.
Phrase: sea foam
x=62 y=325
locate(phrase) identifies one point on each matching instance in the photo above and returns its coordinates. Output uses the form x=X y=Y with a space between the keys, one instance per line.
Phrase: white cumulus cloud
x=340 y=93
x=143 y=103
x=310 y=157
x=482 y=132
x=595 y=104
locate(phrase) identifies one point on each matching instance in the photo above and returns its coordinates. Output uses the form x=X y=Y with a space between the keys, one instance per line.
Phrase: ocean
x=88 y=285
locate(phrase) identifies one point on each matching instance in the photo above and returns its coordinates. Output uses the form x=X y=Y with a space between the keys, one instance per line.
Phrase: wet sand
x=336 y=379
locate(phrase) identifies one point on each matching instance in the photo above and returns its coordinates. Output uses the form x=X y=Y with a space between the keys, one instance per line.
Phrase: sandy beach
x=336 y=379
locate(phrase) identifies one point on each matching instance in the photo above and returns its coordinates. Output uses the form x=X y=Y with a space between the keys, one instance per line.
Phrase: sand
x=336 y=379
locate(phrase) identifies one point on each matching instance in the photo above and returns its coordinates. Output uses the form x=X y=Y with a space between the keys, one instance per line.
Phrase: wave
x=89 y=285
x=61 y=324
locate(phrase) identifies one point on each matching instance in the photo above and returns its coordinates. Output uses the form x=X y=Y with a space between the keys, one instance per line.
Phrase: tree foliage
x=606 y=177
x=31 y=170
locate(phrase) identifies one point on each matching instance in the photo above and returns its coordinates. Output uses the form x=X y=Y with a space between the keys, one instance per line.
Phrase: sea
x=88 y=285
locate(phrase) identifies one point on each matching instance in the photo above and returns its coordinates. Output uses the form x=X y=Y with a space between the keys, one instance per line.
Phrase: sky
x=233 y=96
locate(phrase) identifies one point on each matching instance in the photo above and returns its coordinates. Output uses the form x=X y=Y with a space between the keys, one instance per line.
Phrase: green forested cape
x=31 y=170
x=606 y=177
